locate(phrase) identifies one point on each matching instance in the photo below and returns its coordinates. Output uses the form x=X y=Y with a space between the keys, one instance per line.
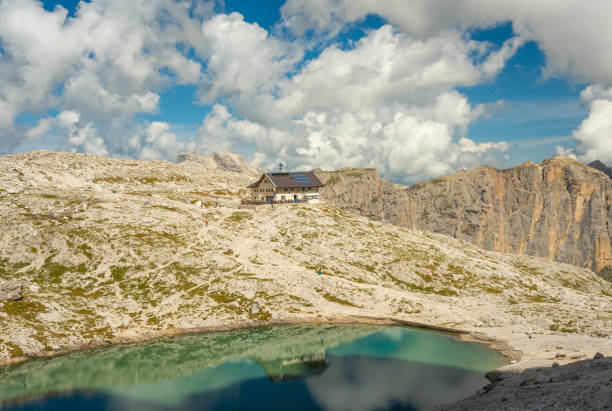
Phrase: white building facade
x=286 y=186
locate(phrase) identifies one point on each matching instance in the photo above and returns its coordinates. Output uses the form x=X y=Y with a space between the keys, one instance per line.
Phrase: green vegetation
x=427 y=290
x=167 y=179
x=86 y=250
x=525 y=269
x=436 y=181
x=239 y=216
x=426 y=277
x=53 y=272
x=25 y=309
x=10 y=270
x=108 y=179
x=118 y=272
x=337 y=300
x=49 y=195
x=332 y=180
x=14 y=350
x=353 y=172
x=167 y=208
x=539 y=298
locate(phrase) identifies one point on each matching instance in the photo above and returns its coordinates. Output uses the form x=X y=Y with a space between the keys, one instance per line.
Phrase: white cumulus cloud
x=107 y=62
x=388 y=100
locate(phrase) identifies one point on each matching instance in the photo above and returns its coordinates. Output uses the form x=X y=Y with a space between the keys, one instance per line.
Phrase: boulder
x=10 y=290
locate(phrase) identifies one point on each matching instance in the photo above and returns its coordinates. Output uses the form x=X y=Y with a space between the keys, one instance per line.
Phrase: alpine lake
x=314 y=367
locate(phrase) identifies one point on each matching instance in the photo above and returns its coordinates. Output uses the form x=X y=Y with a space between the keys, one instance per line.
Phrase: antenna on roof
x=280 y=167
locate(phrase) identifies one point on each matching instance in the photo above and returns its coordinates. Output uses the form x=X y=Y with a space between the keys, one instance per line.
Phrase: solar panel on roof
x=301 y=179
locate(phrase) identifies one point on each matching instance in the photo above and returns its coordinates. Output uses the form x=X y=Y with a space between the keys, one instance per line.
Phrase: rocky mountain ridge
x=219 y=161
x=559 y=209
x=601 y=167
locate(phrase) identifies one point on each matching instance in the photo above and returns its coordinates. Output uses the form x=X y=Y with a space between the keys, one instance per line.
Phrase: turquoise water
x=350 y=367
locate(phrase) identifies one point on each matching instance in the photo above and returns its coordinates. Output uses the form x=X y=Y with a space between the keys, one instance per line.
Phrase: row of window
x=307 y=197
x=269 y=190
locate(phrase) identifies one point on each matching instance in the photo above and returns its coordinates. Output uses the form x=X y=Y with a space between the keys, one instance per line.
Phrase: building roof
x=290 y=179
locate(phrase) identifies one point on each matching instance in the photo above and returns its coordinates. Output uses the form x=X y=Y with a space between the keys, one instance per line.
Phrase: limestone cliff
x=560 y=209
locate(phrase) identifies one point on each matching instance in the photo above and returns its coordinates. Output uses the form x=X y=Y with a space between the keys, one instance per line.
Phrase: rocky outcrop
x=362 y=191
x=10 y=290
x=583 y=385
x=560 y=209
x=219 y=161
x=601 y=167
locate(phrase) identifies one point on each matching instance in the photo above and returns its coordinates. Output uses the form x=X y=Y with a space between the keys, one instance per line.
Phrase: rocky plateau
x=111 y=251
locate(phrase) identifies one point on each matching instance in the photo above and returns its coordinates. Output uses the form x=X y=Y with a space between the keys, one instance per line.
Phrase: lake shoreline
x=503 y=348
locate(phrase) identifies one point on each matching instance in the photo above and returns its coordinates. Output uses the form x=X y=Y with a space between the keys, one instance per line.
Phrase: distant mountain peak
x=220 y=161
x=601 y=167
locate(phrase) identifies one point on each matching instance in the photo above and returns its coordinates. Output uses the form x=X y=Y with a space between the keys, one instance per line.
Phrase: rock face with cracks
x=559 y=209
x=113 y=250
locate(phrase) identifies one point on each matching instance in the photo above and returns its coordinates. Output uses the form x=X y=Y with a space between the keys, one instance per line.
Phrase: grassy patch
x=427 y=290
x=166 y=179
x=426 y=277
x=10 y=270
x=525 y=269
x=27 y=310
x=238 y=216
x=14 y=350
x=334 y=299
x=332 y=180
x=539 y=298
x=53 y=272
x=86 y=250
x=118 y=272
x=50 y=196
x=108 y=179
x=167 y=208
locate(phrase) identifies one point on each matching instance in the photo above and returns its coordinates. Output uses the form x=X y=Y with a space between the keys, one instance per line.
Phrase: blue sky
x=408 y=90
